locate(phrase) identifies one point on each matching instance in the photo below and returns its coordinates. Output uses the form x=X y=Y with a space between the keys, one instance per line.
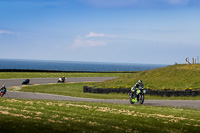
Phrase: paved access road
x=29 y=95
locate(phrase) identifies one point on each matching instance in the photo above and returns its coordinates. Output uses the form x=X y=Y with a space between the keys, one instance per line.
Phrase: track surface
x=172 y=103
x=17 y=82
x=29 y=95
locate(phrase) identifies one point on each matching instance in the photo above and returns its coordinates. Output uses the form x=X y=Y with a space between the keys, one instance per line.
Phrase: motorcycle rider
x=138 y=85
x=63 y=79
x=3 y=89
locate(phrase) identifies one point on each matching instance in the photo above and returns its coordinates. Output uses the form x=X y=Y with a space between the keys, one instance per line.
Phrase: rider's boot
x=134 y=100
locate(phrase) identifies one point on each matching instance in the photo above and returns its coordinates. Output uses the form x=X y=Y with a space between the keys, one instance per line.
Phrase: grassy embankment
x=171 y=77
x=59 y=116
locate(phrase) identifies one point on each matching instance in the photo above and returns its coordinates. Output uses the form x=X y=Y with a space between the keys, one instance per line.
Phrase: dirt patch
x=38 y=113
x=93 y=123
x=17 y=115
x=13 y=100
x=65 y=118
x=76 y=105
x=5 y=112
x=7 y=108
x=29 y=102
x=37 y=118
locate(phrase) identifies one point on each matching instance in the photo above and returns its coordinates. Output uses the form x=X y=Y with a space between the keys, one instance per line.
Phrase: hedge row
x=165 y=92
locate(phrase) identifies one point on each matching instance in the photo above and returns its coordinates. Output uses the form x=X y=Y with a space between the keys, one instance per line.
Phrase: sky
x=120 y=31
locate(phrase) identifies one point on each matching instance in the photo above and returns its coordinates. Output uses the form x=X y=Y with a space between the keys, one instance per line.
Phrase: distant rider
x=138 y=85
x=3 y=89
x=63 y=79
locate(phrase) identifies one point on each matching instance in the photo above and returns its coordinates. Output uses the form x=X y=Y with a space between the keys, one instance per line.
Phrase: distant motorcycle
x=139 y=96
x=25 y=82
x=2 y=92
x=61 y=80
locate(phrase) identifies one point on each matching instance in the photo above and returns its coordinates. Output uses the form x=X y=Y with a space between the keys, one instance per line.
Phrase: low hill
x=170 y=77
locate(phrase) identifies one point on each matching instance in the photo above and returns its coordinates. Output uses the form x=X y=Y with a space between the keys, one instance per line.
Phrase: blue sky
x=122 y=31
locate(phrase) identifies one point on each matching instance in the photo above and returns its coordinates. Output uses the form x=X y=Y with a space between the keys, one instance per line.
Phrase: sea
x=75 y=66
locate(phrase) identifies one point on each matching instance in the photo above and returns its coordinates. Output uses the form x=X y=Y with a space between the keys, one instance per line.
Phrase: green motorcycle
x=139 y=97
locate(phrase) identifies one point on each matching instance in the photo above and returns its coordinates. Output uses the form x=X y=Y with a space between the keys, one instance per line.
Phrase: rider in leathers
x=138 y=85
x=3 y=89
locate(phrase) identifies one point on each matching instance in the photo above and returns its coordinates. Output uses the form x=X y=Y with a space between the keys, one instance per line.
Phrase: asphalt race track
x=28 y=95
x=17 y=82
x=173 y=103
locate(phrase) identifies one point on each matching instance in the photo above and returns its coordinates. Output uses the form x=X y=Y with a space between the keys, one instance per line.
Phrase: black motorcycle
x=26 y=82
x=61 y=80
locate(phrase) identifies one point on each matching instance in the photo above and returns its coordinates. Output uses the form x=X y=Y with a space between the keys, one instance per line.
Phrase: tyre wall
x=151 y=92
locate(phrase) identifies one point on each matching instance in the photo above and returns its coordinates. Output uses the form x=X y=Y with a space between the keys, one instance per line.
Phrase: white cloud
x=83 y=42
x=93 y=34
x=91 y=40
x=5 y=32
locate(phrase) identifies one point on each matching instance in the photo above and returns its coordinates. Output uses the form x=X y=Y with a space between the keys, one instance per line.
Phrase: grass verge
x=59 y=116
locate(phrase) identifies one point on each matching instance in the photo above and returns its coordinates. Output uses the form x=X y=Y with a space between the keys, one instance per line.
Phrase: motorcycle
x=2 y=92
x=139 y=96
x=61 y=80
x=25 y=82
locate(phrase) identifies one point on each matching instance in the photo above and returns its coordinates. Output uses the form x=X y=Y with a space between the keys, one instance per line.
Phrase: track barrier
x=151 y=92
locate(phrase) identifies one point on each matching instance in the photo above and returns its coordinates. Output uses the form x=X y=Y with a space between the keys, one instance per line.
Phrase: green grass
x=59 y=116
x=68 y=89
x=14 y=75
x=176 y=77
x=76 y=90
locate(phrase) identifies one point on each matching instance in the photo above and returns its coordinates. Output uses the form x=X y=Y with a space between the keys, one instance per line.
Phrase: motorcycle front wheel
x=130 y=97
x=141 y=98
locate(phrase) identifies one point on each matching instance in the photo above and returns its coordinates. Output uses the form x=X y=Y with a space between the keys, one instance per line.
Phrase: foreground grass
x=76 y=90
x=14 y=75
x=58 y=116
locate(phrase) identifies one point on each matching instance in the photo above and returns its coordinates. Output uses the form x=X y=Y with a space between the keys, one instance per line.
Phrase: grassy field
x=171 y=77
x=14 y=75
x=76 y=90
x=58 y=116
